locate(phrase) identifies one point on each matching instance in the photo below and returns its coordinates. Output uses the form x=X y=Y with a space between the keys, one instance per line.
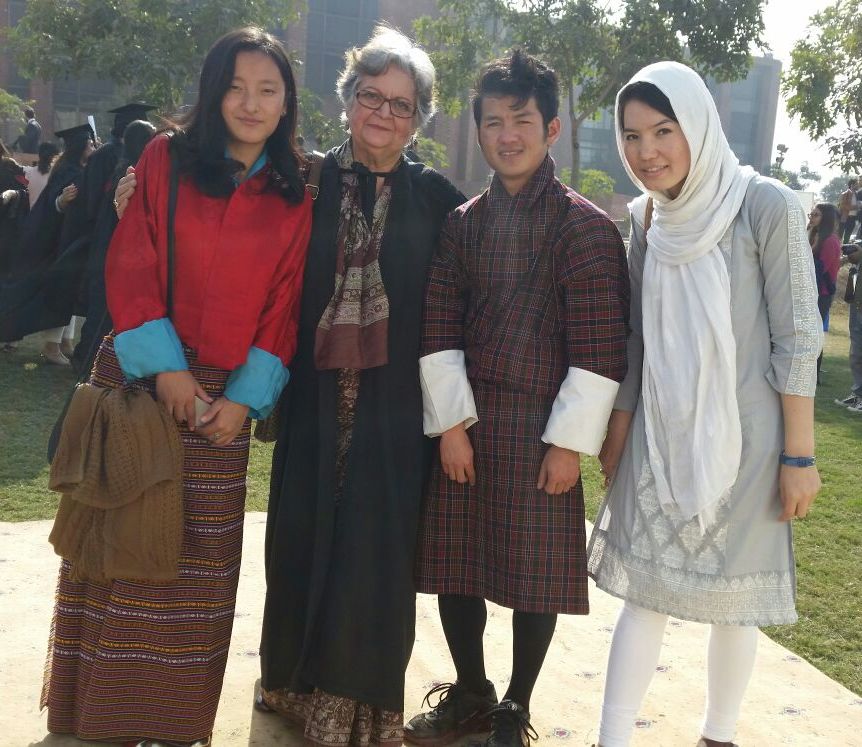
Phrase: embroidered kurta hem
x=741 y=570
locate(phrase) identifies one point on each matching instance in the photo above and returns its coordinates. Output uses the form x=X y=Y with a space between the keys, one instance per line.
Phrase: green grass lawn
x=828 y=543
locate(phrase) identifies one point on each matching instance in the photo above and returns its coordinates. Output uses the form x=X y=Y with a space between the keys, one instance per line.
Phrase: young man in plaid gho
x=524 y=346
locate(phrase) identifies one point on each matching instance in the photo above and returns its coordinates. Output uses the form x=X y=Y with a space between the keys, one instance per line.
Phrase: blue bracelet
x=790 y=461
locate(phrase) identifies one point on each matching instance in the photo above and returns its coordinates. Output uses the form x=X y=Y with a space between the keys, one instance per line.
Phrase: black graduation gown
x=56 y=287
x=13 y=214
x=98 y=322
x=39 y=242
x=340 y=605
x=25 y=304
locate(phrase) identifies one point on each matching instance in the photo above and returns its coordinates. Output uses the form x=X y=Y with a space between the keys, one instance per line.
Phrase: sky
x=785 y=22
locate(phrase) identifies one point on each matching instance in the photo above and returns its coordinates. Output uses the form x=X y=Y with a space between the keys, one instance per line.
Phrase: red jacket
x=237 y=270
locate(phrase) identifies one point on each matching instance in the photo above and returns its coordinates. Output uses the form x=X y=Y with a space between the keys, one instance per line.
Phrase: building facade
x=329 y=28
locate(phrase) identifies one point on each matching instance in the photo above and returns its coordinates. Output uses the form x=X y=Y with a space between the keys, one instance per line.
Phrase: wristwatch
x=803 y=461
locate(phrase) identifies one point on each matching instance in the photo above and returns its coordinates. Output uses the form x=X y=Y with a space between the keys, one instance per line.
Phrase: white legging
x=58 y=334
x=632 y=661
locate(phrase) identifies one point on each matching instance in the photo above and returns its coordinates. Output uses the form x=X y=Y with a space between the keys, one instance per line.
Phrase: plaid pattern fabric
x=528 y=286
x=503 y=539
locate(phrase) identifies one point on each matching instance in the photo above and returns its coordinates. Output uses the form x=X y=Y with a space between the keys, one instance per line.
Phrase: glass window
x=333 y=27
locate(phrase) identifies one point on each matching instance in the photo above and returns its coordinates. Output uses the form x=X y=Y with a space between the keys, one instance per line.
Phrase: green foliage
x=798 y=180
x=315 y=125
x=431 y=152
x=594 y=46
x=823 y=86
x=464 y=34
x=11 y=107
x=833 y=189
x=595 y=185
x=151 y=48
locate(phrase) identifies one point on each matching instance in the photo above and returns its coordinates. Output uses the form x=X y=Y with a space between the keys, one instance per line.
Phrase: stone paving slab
x=788 y=703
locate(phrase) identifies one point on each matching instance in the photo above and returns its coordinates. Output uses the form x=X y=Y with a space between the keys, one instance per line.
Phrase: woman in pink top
x=823 y=222
x=822 y=227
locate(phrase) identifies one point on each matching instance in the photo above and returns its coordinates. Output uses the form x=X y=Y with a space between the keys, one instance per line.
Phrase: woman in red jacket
x=144 y=661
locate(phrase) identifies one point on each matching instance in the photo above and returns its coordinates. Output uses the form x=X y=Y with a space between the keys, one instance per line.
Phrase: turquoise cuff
x=150 y=349
x=257 y=383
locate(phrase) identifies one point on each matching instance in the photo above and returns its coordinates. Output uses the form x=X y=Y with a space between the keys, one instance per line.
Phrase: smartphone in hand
x=200 y=408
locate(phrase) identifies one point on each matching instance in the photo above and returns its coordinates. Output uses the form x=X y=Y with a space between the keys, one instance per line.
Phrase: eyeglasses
x=398 y=107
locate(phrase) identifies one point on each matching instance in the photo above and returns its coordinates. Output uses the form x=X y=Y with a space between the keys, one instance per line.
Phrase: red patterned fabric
x=238 y=268
x=528 y=286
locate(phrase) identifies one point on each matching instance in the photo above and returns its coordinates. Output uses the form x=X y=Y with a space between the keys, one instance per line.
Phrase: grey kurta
x=741 y=571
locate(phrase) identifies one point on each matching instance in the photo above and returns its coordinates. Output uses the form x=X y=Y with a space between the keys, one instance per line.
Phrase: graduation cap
x=129 y=113
x=71 y=133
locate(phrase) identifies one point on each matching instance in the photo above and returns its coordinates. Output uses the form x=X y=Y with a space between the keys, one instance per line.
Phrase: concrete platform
x=788 y=703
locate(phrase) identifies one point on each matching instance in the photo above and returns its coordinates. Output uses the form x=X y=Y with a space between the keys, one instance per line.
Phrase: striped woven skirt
x=136 y=659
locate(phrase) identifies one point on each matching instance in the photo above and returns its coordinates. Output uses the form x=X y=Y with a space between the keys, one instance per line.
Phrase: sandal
x=261 y=705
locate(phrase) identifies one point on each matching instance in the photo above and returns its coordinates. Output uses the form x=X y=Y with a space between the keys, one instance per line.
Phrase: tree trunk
x=576 y=143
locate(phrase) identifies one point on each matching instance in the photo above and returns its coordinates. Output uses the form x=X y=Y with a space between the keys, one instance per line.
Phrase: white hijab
x=693 y=431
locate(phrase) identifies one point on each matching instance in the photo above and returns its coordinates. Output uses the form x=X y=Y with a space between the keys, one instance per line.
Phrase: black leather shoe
x=510 y=726
x=458 y=712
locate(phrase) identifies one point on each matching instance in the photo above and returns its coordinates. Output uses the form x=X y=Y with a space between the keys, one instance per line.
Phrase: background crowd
x=353 y=528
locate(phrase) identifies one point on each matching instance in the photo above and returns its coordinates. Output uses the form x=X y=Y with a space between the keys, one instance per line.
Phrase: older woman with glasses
x=351 y=459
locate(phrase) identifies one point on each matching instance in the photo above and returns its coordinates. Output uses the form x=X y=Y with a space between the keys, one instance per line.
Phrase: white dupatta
x=693 y=431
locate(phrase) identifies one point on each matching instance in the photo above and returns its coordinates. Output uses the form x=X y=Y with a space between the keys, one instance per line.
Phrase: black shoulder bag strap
x=172 y=210
x=315 y=164
x=266 y=430
x=54 y=438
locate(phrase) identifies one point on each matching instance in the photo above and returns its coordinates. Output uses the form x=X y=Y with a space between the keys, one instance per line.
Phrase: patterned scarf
x=353 y=331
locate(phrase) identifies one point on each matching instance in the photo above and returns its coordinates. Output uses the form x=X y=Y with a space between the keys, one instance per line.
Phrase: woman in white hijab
x=710 y=448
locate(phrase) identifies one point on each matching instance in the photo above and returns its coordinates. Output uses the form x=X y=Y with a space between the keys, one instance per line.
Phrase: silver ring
x=216 y=436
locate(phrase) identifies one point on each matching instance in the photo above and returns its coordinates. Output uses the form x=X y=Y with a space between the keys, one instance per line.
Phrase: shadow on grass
x=32 y=395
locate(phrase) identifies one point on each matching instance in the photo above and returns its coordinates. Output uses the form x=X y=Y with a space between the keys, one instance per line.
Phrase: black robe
x=98 y=322
x=57 y=265
x=340 y=606
x=25 y=305
x=12 y=214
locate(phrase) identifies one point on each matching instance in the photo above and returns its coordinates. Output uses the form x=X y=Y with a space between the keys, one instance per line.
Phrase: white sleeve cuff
x=447 y=397
x=579 y=417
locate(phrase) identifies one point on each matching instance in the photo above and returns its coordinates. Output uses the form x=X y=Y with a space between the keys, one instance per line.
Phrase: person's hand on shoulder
x=125 y=189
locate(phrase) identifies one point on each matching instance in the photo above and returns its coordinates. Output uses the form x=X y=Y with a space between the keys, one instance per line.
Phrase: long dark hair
x=200 y=137
x=829 y=220
x=75 y=147
x=47 y=153
x=646 y=93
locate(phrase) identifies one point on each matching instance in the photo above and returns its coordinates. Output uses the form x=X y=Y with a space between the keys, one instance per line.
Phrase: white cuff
x=579 y=417
x=447 y=397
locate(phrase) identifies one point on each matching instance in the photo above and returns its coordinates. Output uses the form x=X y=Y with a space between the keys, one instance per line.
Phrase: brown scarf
x=353 y=331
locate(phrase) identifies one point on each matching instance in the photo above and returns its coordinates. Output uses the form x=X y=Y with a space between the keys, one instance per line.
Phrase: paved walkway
x=789 y=702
